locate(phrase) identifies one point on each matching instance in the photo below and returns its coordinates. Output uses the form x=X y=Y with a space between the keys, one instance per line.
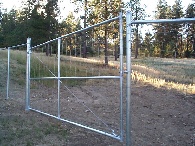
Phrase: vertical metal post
x=121 y=73
x=128 y=65
x=8 y=74
x=28 y=74
x=59 y=45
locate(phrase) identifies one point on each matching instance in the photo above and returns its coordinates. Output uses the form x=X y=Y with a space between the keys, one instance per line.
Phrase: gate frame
x=58 y=77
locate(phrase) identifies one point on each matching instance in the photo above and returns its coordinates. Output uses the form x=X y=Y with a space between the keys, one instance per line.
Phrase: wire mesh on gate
x=76 y=84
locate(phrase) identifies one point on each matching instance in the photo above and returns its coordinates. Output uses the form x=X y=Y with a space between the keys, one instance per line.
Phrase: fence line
x=129 y=21
x=8 y=66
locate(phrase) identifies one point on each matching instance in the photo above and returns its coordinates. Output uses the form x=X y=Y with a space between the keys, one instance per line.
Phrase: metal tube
x=8 y=67
x=128 y=65
x=28 y=74
x=179 y=20
x=121 y=74
x=18 y=46
x=76 y=78
x=59 y=44
x=77 y=124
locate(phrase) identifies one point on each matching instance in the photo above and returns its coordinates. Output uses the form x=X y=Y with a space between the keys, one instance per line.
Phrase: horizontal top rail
x=17 y=46
x=92 y=77
x=84 y=29
x=179 y=20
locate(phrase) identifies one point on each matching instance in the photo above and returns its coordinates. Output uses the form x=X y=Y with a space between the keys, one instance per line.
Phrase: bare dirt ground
x=159 y=117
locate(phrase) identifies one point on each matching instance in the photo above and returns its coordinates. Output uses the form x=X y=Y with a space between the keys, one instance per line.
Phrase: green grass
x=16 y=130
x=3 y=69
x=17 y=66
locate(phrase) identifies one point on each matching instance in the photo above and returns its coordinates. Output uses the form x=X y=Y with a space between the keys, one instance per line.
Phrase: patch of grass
x=16 y=130
x=17 y=66
x=18 y=56
x=55 y=129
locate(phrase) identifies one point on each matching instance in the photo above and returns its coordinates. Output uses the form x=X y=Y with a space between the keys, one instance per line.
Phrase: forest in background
x=39 y=20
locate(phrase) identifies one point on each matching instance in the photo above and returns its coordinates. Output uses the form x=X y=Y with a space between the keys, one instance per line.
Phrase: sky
x=150 y=4
x=68 y=7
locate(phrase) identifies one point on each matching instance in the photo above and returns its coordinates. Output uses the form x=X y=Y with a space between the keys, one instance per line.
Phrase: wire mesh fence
x=13 y=70
x=79 y=81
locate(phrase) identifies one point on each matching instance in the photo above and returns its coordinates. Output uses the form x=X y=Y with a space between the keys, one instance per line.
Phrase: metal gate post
x=128 y=65
x=121 y=74
x=28 y=74
x=8 y=67
x=59 y=45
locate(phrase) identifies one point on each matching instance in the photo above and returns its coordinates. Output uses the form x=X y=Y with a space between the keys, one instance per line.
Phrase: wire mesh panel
x=78 y=79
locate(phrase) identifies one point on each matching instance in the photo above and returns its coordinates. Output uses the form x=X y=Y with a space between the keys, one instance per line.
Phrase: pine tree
x=52 y=11
x=9 y=24
x=101 y=10
x=163 y=12
x=138 y=13
x=147 y=44
x=174 y=28
x=69 y=25
x=190 y=30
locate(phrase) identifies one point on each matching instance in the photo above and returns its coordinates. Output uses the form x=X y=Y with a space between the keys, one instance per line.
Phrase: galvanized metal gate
x=60 y=79
x=120 y=77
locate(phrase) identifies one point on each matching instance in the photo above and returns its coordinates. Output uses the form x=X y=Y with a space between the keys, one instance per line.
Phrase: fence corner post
x=28 y=74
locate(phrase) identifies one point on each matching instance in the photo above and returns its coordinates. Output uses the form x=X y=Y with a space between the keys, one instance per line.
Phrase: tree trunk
x=47 y=50
x=85 y=24
x=115 y=51
x=106 y=46
x=136 y=37
x=106 y=36
x=136 y=42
